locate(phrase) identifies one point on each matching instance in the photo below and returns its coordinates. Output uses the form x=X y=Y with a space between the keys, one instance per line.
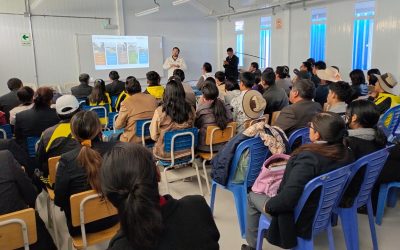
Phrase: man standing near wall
x=174 y=62
x=231 y=65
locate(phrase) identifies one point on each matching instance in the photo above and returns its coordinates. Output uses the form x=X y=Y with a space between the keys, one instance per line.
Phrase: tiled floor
x=225 y=217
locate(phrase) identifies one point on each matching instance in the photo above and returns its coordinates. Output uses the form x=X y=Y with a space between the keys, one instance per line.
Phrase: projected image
x=120 y=52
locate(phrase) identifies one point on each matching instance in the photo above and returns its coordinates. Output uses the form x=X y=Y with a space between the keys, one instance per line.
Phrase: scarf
x=363 y=133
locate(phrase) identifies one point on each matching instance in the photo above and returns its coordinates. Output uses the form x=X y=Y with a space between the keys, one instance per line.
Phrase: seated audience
x=120 y=99
x=302 y=109
x=358 y=84
x=32 y=122
x=275 y=96
x=154 y=88
x=19 y=154
x=253 y=100
x=371 y=78
x=386 y=92
x=283 y=78
x=254 y=68
x=116 y=86
x=25 y=97
x=326 y=153
x=301 y=75
x=206 y=71
x=231 y=90
x=338 y=96
x=57 y=139
x=99 y=96
x=211 y=111
x=174 y=114
x=190 y=96
x=136 y=106
x=220 y=81
x=148 y=219
x=17 y=193
x=79 y=169
x=320 y=65
x=10 y=100
x=326 y=76
x=83 y=90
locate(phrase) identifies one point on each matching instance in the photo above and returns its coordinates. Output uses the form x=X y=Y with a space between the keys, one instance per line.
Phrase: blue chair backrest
x=8 y=130
x=373 y=163
x=114 y=99
x=181 y=142
x=31 y=143
x=303 y=133
x=389 y=121
x=258 y=153
x=139 y=127
x=332 y=185
x=111 y=116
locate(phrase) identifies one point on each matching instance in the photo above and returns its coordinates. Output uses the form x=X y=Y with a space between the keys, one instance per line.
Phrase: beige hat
x=388 y=83
x=253 y=104
x=329 y=74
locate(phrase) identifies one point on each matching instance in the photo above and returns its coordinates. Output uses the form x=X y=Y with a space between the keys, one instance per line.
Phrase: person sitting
x=135 y=107
x=116 y=86
x=275 y=96
x=283 y=78
x=339 y=94
x=25 y=96
x=326 y=76
x=211 y=111
x=206 y=72
x=302 y=110
x=320 y=65
x=254 y=68
x=32 y=122
x=17 y=193
x=57 y=139
x=154 y=88
x=79 y=169
x=148 y=219
x=358 y=84
x=190 y=96
x=326 y=153
x=99 y=96
x=83 y=90
x=10 y=100
x=220 y=81
x=232 y=90
x=386 y=92
x=371 y=78
x=120 y=99
x=174 y=114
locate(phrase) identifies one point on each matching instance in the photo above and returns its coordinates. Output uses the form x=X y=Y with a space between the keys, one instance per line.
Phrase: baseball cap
x=66 y=104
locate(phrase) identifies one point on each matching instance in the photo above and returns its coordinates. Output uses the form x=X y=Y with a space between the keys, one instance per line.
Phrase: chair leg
x=55 y=226
x=70 y=243
x=303 y=244
x=348 y=217
x=392 y=197
x=241 y=210
x=330 y=237
x=372 y=224
x=206 y=176
x=198 y=177
x=383 y=192
x=166 y=180
x=260 y=238
x=212 y=198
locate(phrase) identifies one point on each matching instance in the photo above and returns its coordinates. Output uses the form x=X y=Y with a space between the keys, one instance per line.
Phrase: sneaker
x=246 y=247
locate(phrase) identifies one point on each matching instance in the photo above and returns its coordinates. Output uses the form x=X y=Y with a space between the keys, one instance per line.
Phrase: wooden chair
x=18 y=229
x=248 y=123
x=51 y=215
x=274 y=117
x=215 y=135
x=87 y=207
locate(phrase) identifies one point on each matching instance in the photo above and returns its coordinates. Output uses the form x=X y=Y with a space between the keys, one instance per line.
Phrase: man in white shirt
x=174 y=62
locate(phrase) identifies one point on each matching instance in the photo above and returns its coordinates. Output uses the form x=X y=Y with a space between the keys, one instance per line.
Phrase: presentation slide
x=120 y=52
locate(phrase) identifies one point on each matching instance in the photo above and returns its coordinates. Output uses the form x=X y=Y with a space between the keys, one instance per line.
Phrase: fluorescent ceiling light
x=147 y=12
x=178 y=2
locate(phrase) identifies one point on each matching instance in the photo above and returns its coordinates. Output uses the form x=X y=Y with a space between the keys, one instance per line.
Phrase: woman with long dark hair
x=174 y=114
x=99 y=96
x=149 y=220
x=79 y=169
x=358 y=84
x=326 y=153
x=211 y=111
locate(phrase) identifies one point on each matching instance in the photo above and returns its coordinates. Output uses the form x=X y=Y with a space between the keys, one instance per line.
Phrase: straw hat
x=388 y=83
x=329 y=74
x=253 y=104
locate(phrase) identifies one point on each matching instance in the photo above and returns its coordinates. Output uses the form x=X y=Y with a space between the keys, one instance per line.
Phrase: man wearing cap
x=58 y=139
x=327 y=76
x=386 y=92
x=250 y=104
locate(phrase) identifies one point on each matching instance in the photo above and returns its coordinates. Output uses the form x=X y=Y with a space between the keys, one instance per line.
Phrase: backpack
x=270 y=177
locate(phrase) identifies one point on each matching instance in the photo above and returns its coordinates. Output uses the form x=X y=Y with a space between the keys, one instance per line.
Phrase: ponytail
x=219 y=112
x=91 y=160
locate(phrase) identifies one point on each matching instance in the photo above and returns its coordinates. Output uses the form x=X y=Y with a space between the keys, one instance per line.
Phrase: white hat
x=329 y=74
x=388 y=83
x=66 y=104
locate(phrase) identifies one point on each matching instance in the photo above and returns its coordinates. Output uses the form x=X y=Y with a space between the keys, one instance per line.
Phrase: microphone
x=250 y=55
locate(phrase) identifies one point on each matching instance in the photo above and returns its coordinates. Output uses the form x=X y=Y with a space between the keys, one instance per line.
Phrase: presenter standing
x=231 y=65
x=174 y=62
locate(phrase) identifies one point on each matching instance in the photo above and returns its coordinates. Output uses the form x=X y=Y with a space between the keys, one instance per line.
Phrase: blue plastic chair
x=114 y=99
x=389 y=123
x=373 y=164
x=8 y=130
x=111 y=119
x=110 y=132
x=258 y=152
x=386 y=196
x=143 y=131
x=101 y=111
x=303 y=133
x=332 y=186
x=31 y=143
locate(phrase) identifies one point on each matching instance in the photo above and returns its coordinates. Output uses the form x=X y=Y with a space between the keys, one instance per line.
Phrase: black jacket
x=299 y=171
x=276 y=99
x=19 y=154
x=83 y=90
x=231 y=69
x=71 y=178
x=188 y=224
x=8 y=102
x=115 y=88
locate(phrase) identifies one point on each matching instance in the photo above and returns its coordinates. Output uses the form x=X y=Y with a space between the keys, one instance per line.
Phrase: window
x=265 y=41
x=363 y=30
x=318 y=34
x=239 y=27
